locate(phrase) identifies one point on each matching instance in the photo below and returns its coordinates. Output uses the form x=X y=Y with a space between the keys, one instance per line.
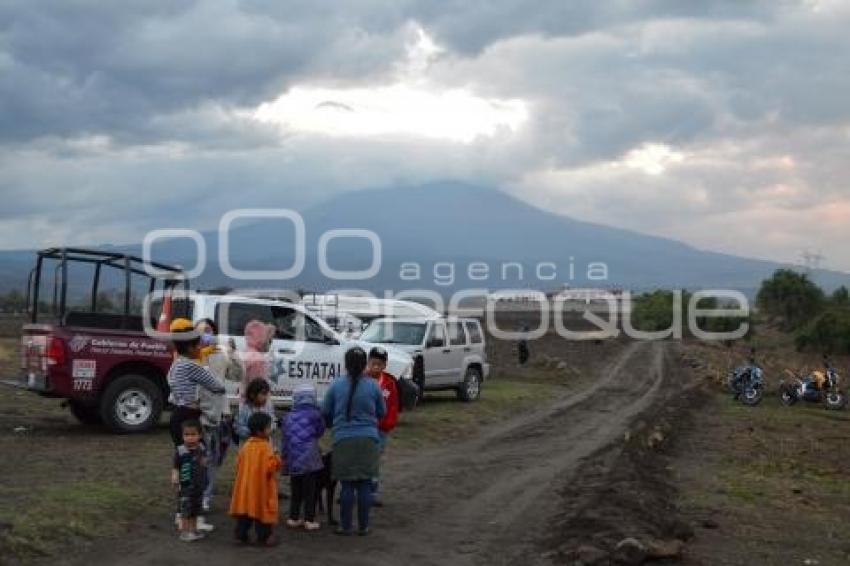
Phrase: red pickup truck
x=99 y=360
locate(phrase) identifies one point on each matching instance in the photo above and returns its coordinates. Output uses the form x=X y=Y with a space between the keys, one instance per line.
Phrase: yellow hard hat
x=181 y=325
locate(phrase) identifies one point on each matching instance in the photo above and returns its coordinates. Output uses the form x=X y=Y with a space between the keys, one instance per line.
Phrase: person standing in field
x=376 y=369
x=188 y=476
x=256 y=360
x=186 y=377
x=352 y=406
x=257 y=400
x=302 y=430
x=215 y=411
x=254 y=502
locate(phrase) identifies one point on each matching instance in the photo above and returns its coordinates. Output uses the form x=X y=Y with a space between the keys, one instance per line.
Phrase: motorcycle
x=817 y=387
x=747 y=383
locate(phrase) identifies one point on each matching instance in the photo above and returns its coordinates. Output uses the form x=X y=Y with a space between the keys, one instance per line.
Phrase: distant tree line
x=13 y=302
x=795 y=304
x=654 y=311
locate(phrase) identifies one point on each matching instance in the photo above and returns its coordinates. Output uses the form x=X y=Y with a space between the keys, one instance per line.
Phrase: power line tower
x=811 y=260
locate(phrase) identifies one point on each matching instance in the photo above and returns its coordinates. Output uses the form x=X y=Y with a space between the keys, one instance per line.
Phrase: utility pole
x=811 y=260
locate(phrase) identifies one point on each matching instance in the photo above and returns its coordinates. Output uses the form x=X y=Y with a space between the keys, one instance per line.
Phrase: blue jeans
x=363 y=491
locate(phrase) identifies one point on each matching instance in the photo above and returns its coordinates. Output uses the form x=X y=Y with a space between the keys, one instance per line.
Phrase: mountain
x=448 y=229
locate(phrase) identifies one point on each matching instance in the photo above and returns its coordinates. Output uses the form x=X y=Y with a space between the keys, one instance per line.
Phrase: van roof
x=423 y=320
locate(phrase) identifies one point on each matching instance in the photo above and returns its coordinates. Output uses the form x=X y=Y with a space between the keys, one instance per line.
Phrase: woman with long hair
x=352 y=408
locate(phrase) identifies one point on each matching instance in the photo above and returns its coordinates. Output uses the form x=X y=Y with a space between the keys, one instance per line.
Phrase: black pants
x=243 y=529
x=304 y=493
x=175 y=424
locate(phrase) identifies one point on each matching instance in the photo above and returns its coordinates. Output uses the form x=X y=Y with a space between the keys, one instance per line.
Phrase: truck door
x=231 y=318
x=458 y=350
x=304 y=352
x=436 y=356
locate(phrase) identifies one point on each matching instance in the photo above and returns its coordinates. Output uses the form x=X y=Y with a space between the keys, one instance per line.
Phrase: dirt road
x=487 y=500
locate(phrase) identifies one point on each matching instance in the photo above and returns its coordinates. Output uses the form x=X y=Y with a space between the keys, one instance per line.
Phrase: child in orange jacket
x=254 y=501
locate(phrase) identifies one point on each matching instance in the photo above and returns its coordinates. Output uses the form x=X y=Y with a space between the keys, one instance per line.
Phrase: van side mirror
x=436 y=343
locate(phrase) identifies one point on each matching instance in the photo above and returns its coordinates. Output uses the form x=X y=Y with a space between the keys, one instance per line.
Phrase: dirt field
x=588 y=446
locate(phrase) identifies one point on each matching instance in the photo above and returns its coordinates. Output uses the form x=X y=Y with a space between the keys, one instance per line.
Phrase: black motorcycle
x=747 y=384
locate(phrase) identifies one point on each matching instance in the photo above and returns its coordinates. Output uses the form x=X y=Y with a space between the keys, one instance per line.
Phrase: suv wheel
x=85 y=413
x=470 y=389
x=131 y=403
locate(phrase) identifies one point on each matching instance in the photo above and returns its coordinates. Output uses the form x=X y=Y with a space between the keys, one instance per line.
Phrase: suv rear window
x=474 y=332
x=457 y=337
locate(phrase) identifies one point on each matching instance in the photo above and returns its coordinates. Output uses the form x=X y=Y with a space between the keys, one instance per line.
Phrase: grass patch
x=62 y=516
x=8 y=353
x=442 y=418
x=766 y=471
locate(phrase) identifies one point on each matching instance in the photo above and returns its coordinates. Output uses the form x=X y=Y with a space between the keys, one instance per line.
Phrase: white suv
x=448 y=353
x=304 y=348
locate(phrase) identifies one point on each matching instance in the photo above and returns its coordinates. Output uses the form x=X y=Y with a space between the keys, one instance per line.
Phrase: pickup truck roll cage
x=171 y=276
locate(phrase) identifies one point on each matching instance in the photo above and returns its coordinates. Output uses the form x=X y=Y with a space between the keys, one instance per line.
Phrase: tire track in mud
x=485 y=500
x=492 y=496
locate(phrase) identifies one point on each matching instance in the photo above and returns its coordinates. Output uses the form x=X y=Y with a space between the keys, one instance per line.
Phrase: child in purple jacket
x=303 y=428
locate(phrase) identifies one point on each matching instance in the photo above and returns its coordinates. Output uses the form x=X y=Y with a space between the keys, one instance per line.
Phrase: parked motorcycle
x=747 y=383
x=817 y=387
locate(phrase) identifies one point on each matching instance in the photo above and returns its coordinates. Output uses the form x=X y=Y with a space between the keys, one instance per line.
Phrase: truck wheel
x=470 y=389
x=131 y=403
x=86 y=414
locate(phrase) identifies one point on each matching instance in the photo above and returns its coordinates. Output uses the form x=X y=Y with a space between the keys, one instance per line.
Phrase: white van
x=448 y=353
x=304 y=348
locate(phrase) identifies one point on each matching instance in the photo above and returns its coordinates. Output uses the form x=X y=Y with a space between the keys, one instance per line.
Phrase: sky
x=722 y=123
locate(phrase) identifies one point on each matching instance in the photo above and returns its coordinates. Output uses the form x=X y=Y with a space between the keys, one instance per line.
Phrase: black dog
x=327 y=484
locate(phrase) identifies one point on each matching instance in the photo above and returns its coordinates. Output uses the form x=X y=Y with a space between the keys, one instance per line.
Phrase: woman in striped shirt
x=186 y=376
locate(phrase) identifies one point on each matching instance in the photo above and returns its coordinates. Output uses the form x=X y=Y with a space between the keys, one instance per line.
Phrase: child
x=377 y=364
x=300 y=448
x=254 y=502
x=256 y=400
x=189 y=476
x=256 y=360
x=215 y=411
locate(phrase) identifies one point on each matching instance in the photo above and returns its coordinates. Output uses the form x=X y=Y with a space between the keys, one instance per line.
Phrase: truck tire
x=131 y=403
x=470 y=389
x=85 y=413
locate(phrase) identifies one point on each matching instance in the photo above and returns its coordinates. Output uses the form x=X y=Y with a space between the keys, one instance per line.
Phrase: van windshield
x=390 y=332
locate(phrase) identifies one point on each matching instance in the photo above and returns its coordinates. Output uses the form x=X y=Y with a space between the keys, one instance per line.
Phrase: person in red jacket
x=377 y=364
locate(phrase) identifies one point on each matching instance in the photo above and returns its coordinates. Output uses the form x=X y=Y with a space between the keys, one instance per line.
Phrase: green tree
x=828 y=333
x=653 y=311
x=790 y=298
x=841 y=297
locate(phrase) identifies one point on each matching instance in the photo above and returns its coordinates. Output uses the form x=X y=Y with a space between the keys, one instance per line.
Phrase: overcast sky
x=724 y=124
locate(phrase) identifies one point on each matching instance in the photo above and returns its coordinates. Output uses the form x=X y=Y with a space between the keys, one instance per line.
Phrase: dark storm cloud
x=90 y=67
x=139 y=105
x=470 y=26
